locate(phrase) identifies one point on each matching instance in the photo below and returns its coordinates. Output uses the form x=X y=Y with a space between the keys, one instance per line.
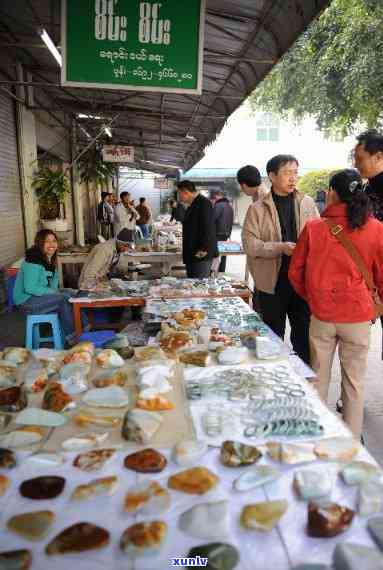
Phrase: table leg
x=246 y=272
x=60 y=272
x=166 y=268
x=77 y=319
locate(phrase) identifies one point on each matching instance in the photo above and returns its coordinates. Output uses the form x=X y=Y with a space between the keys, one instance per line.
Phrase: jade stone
x=351 y=556
x=375 y=528
x=220 y=555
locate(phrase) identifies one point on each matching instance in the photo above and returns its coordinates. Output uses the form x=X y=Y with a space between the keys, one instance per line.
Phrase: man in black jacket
x=368 y=156
x=199 y=241
x=223 y=218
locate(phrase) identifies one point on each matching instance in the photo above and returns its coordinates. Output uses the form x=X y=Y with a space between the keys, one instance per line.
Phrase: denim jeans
x=145 y=230
x=54 y=303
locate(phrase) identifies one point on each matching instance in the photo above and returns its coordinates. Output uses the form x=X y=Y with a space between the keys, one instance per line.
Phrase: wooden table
x=89 y=303
x=244 y=294
x=167 y=259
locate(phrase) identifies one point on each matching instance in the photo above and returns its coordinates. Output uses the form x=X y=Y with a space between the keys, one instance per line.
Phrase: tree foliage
x=314 y=181
x=333 y=71
x=92 y=168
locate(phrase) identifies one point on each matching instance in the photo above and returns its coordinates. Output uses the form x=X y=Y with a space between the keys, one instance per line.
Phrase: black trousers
x=222 y=264
x=286 y=303
x=198 y=269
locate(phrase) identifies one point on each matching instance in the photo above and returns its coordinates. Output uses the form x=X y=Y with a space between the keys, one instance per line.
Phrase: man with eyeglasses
x=269 y=235
x=368 y=159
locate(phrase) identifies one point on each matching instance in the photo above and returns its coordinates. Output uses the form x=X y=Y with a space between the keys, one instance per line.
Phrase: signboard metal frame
x=123 y=86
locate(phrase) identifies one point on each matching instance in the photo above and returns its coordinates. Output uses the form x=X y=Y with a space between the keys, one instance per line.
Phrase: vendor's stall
x=203 y=443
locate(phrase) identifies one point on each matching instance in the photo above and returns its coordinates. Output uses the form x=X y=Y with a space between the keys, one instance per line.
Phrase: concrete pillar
x=27 y=148
x=76 y=193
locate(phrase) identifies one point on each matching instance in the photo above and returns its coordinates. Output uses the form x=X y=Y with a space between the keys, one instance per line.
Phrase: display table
x=66 y=258
x=282 y=548
x=166 y=259
x=95 y=303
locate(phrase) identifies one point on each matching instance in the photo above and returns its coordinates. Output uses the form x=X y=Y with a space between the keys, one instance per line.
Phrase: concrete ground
x=12 y=330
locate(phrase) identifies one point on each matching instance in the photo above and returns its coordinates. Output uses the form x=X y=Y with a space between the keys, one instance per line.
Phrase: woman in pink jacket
x=324 y=274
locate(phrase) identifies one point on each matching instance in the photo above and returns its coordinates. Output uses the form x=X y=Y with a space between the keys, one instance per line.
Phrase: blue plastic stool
x=10 y=286
x=33 y=337
x=98 y=337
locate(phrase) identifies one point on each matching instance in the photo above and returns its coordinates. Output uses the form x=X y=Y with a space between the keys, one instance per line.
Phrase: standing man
x=250 y=182
x=269 y=235
x=105 y=215
x=223 y=219
x=145 y=218
x=125 y=216
x=199 y=241
x=368 y=158
x=177 y=211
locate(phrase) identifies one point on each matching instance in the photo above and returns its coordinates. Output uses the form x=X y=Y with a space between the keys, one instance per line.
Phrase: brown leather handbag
x=337 y=231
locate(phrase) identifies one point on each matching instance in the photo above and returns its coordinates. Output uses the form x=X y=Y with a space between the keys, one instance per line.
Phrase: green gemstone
x=220 y=555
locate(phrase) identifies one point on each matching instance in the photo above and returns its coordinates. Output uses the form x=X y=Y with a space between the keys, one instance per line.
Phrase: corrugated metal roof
x=243 y=40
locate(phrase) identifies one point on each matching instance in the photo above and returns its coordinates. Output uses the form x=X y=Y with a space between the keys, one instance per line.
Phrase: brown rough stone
x=194 y=481
x=325 y=521
x=146 y=461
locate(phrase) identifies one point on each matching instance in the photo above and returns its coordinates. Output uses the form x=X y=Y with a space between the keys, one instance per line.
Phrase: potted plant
x=51 y=186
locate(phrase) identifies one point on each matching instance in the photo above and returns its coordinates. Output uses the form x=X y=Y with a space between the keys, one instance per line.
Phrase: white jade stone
x=370 y=499
x=358 y=472
x=109 y=358
x=255 y=477
x=49 y=459
x=109 y=397
x=84 y=441
x=337 y=448
x=147 y=423
x=188 y=451
x=312 y=484
x=208 y=521
x=20 y=438
x=39 y=417
x=233 y=355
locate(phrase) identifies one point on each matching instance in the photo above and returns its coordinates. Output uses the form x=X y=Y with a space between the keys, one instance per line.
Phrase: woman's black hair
x=40 y=239
x=349 y=187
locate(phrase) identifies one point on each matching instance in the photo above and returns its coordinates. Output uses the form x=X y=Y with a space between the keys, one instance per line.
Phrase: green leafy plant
x=333 y=71
x=51 y=186
x=314 y=181
x=92 y=168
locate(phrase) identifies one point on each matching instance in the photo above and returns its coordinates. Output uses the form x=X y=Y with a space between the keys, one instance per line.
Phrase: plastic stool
x=33 y=337
x=11 y=280
x=98 y=337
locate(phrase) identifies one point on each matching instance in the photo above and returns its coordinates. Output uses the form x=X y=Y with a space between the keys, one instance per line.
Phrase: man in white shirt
x=125 y=215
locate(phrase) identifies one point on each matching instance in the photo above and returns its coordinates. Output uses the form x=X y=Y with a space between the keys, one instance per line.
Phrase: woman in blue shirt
x=36 y=288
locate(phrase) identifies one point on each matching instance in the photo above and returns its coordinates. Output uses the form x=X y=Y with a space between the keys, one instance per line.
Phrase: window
x=267 y=128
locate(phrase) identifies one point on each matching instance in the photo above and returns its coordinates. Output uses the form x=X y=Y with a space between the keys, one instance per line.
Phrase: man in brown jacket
x=103 y=261
x=269 y=234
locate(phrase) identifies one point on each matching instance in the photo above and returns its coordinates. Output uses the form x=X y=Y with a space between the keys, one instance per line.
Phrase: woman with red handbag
x=337 y=267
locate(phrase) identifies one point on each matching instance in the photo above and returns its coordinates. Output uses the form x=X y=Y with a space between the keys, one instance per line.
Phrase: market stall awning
x=244 y=39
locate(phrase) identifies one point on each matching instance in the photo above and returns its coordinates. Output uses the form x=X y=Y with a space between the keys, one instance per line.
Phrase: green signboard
x=128 y=44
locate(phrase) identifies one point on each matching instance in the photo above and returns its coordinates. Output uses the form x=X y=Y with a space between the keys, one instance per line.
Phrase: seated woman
x=324 y=274
x=36 y=288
